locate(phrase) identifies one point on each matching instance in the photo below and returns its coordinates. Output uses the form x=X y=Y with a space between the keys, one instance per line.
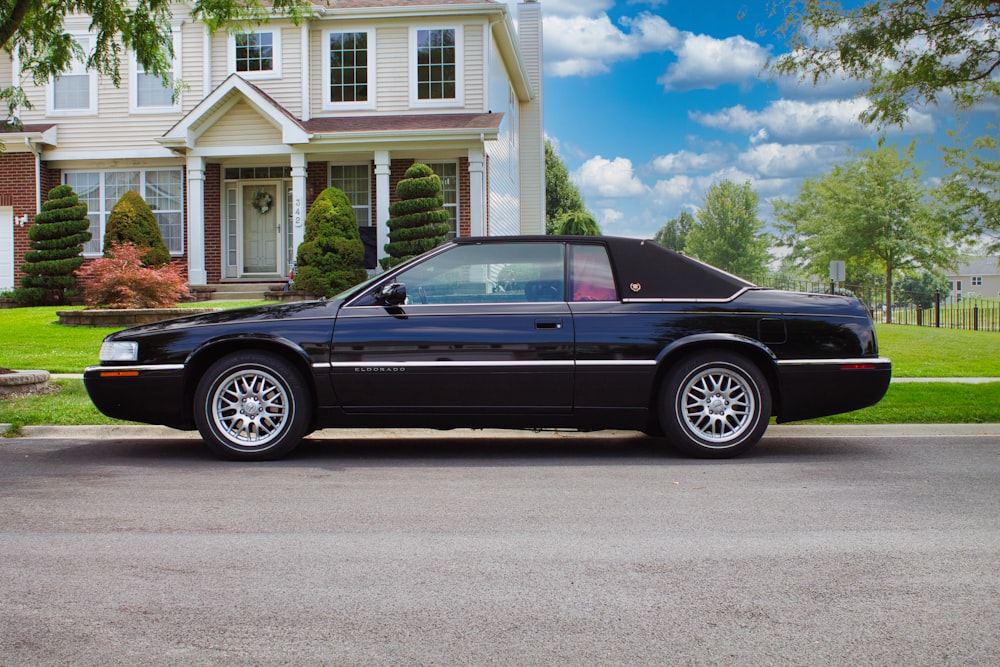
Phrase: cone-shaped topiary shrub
x=56 y=239
x=331 y=256
x=577 y=223
x=132 y=221
x=417 y=220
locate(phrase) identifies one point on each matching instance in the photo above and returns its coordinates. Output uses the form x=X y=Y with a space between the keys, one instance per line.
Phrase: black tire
x=715 y=404
x=252 y=406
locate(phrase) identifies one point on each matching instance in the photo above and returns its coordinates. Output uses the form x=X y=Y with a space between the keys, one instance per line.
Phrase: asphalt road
x=811 y=550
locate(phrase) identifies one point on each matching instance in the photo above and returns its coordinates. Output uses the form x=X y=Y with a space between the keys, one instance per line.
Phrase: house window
x=148 y=93
x=349 y=75
x=355 y=181
x=161 y=188
x=74 y=92
x=977 y=281
x=436 y=76
x=256 y=54
x=448 y=172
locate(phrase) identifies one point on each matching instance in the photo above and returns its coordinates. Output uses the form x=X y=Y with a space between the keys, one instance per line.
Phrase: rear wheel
x=252 y=406
x=715 y=404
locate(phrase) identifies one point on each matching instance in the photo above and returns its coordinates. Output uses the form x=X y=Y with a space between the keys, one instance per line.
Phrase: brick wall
x=213 y=222
x=17 y=186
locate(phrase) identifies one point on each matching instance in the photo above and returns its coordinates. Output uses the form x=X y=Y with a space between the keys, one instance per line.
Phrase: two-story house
x=349 y=98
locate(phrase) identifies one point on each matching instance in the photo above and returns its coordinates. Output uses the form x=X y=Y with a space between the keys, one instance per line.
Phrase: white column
x=477 y=192
x=196 y=221
x=298 y=199
x=382 y=161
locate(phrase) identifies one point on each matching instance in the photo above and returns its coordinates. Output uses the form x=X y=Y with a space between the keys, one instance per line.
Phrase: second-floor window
x=256 y=54
x=148 y=91
x=75 y=90
x=437 y=58
x=349 y=71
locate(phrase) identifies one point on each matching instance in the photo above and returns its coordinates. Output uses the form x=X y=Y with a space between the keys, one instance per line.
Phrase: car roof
x=645 y=269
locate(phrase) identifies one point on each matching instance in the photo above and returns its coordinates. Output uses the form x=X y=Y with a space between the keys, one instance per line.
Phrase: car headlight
x=119 y=350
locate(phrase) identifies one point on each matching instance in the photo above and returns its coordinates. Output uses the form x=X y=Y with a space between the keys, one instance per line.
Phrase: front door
x=261 y=230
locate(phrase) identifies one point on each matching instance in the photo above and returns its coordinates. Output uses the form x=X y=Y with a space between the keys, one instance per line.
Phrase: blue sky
x=650 y=102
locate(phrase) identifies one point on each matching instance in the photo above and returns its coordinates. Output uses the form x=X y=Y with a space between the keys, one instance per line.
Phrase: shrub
x=331 y=256
x=133 y=221
x=418 y=221
x=56 y=239
x=120 y=280
x=578 y=223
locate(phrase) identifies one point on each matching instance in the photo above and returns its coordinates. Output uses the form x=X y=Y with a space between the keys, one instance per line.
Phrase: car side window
x=591 y=278
x=488 y=273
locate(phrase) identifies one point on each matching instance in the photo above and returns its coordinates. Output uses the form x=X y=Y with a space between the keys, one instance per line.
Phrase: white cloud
x=793 y=121
x=584 y=45
x=685 y=161
x=608 y=178
x=706 y=62
x=777 y=160
x=609 y=217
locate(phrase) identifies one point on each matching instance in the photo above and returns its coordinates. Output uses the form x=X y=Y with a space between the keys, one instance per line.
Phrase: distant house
x=349 y=98
x=979 y=275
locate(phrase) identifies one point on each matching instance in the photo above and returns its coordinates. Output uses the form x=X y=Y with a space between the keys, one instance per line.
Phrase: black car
x=505 y=332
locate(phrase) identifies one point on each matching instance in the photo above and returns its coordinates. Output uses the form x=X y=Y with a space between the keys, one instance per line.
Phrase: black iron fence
x=928 y=310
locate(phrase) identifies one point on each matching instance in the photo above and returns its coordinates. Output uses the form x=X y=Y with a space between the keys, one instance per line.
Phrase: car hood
x=284 y=311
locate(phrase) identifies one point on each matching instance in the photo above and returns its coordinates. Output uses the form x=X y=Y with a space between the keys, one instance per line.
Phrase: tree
x=728 y=234
x=133 y=221
x=56 y=239
x=330 y=257
x=872 y=212
x=33 y=31
x=907 y=52
x=921 y=288
x=418 y=222
x=561 y=196
x=912 y=54
x=577 y=223
x=673 y=235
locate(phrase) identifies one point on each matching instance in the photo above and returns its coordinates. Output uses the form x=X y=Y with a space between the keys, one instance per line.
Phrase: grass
x=31 y=338
x=929 y=352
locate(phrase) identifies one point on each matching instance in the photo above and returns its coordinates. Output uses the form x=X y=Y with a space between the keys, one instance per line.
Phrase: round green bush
x=133 y=221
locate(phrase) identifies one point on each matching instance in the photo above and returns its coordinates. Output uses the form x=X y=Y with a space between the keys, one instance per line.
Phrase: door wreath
x=262 y=201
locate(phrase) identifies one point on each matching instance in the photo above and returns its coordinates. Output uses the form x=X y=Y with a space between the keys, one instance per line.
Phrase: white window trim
x=275 y=72
x=133 y=91
x=459 y=100
x=368 y=105
x=368 y=170
x=91 y=110
x=104 y=213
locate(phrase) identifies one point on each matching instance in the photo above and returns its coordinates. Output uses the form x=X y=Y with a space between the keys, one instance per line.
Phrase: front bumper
x=148 y=394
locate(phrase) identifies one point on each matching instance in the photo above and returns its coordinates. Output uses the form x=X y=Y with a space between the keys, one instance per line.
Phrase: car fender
x=761 y=354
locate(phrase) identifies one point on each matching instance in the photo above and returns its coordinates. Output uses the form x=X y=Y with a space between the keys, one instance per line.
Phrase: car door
x=485 y=328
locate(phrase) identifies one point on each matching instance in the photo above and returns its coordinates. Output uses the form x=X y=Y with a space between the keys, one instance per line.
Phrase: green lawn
x=31 y=338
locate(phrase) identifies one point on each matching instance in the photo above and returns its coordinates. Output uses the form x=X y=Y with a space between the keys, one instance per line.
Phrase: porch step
x=240 y=291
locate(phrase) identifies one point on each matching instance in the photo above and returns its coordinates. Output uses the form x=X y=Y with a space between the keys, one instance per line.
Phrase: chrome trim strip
x=159 y=367
x=484 y=364
x=735 y=296
x=833 y=362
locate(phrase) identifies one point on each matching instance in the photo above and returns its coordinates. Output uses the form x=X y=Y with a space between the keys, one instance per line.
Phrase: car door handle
x=548 y=324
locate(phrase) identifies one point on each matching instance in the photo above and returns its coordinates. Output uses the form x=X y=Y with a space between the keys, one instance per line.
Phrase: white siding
x=240 y=126
x=473 y=68
x=393 y=70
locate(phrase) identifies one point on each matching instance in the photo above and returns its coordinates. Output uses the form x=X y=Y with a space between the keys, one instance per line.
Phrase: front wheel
x=715 y=405
x=252 y=406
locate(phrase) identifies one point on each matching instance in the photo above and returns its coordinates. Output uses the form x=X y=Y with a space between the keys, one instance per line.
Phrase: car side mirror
x=392 y=294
